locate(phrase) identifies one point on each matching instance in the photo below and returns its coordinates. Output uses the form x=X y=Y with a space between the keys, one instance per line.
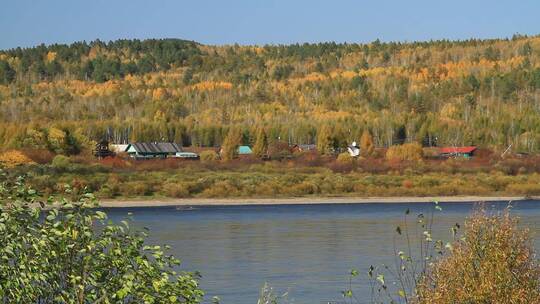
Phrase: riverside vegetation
x=303 y=175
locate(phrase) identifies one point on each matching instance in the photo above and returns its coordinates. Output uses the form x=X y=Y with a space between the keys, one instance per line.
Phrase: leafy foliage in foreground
x=70 y=254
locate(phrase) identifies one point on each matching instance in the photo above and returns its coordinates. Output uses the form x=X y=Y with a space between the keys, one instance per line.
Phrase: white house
x=354 y=149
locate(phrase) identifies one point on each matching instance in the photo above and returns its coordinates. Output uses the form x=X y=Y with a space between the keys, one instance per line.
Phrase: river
x=303 y=251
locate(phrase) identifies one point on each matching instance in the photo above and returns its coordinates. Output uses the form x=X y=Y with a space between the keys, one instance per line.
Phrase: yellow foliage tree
x=366 y=144
x=50 y=56
x=56 y=138
x=212 y=85
x=229 y=149
x=324 y=140
x=405 y=152
x=159 y=94
x=208 y=156
x=261 y=143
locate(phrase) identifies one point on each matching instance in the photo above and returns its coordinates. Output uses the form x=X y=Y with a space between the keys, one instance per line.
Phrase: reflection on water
x=306 y=250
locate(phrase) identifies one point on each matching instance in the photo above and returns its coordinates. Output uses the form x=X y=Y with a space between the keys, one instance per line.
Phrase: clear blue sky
x=31 y=22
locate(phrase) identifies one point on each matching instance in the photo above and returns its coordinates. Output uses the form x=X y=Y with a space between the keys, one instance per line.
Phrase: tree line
x=473 y=92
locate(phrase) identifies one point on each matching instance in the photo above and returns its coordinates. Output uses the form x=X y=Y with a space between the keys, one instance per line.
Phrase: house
x=278 y=150
x=153 y=150
x=353 y=149
x=465 y=152
x=186 y=155
x=244 y=150
x=102 y=150
x=303 y=148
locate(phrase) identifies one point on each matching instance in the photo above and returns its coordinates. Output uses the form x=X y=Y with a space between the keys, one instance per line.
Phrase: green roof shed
x=243 y=150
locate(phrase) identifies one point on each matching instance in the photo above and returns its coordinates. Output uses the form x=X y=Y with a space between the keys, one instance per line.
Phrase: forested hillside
x=481 y=92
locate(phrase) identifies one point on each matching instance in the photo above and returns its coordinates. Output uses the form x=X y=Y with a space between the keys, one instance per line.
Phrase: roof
x=244 y=150
x=451 y=150
x=354 y=145
x=119 y=147
x=163 y=147
x=186 y=154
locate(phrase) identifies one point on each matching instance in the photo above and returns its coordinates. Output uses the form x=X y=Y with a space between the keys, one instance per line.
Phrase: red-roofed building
x=457 y=151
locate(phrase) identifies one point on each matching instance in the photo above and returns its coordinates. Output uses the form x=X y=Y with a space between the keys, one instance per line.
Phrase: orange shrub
x=212 y=85
x=407 y=184
x=14 y=158
x=40 y=156
x=115 y=162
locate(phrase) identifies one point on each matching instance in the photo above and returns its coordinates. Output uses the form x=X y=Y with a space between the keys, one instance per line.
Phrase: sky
x=28 y=23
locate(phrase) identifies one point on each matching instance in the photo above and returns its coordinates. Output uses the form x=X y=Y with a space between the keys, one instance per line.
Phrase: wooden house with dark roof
x=303 y=148
x=153 y=150
x=102 y=150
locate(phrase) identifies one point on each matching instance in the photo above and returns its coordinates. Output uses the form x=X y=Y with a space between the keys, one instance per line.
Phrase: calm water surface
x=305 y=250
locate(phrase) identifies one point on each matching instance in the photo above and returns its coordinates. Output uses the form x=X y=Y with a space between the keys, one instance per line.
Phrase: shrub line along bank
x=403 y=170
x=307 y=175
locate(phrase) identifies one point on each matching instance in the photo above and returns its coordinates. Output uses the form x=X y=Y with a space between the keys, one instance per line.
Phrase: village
x=168 y=150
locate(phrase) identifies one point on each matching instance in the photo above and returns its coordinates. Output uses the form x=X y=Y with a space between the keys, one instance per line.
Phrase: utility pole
x=502 y=155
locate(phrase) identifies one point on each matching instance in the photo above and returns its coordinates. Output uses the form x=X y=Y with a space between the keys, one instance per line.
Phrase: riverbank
x=163 y=202
x=225 y=182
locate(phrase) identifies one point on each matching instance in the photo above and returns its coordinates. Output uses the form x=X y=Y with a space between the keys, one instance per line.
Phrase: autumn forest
x=472 y=92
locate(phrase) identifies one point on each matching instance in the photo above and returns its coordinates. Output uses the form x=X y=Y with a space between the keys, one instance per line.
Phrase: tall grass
x=267 y=295
x=494 y=262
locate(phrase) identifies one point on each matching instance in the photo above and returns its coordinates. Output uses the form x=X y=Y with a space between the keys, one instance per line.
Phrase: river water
x=304 y=252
